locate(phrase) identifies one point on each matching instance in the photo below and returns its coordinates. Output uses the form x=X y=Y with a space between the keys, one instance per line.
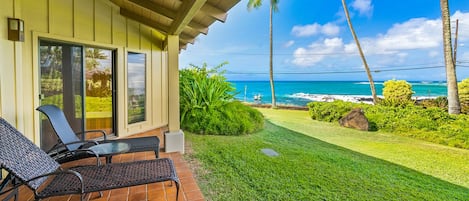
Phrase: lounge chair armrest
x=84 y=141
x=60 y=171
x=93 y=131
x=61 y=145
x=89 y=151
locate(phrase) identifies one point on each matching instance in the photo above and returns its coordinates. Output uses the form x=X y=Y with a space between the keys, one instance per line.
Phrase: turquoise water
x=297 y=92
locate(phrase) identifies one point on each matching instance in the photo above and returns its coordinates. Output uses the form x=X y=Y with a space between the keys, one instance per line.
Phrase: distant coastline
x=299 y=93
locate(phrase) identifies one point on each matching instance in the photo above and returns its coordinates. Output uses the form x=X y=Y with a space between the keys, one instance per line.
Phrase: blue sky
x=312 y=41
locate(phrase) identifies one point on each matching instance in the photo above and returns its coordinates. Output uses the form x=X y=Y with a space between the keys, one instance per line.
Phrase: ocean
x=299 y=93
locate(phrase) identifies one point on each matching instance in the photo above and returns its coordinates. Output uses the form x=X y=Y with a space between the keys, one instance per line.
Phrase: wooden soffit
x=186 y=18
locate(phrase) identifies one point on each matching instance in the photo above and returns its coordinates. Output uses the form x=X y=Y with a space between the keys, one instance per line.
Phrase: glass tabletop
x=110 y=148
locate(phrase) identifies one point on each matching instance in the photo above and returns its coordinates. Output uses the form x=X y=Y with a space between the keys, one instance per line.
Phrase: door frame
x=116 y=74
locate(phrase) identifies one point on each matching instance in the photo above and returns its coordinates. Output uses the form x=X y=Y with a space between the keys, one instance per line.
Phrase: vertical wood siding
x=88 y=22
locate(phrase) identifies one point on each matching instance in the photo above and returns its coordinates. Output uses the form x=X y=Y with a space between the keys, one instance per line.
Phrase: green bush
x=207 y=106
x=203 y=89
x=463 y=90
x=232 y=119
x=397 y=93
x=432 y=124
x=330 y=112
x=441 y=102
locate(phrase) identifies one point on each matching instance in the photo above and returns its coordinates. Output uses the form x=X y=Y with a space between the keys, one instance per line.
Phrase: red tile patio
x=163 y=191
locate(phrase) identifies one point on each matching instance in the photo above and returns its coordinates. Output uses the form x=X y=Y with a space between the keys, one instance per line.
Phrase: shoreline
x=349 y=98
x=279 y=106
x=330 y=98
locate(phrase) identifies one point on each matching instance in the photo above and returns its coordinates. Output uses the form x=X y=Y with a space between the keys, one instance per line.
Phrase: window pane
x=61 y=82
x=136 y=87
x=98 y=104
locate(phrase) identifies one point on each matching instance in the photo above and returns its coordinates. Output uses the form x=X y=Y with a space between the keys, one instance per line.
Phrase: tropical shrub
x=203 y=89
x=440 y=102
x=207 y=106
x=463 y=90
x=234 y=118
x=432 y=124
x=397 y=93
x=330 y=112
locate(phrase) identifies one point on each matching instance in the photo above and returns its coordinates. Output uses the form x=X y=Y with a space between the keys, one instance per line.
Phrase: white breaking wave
x=368 y=83
x=347 y=98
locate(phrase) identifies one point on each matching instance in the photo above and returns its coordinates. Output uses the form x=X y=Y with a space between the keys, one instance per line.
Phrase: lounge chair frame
x=65 y=149
x=31 y=166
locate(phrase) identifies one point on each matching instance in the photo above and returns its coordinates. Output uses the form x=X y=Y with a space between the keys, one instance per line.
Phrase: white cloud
x=417 y=33
x=401 y=42
x=363 y=7
x=289 y=43
x=317 y=51
x=328 y=29
x=433 y=54
x=463 y=24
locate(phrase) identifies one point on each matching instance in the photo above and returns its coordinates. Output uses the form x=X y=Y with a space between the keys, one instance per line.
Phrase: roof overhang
x=186 y=18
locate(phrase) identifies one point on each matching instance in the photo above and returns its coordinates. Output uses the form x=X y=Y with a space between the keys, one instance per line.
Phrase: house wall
x=89 y=22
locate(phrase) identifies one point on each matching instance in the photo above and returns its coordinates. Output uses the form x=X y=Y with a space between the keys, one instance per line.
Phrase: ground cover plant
x=463 y=90
x=234 y=168
x=433 y=124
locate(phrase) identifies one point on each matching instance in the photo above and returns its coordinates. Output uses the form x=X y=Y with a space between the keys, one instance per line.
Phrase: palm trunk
x=368 y=72
x=271 y=65
x=454 y=106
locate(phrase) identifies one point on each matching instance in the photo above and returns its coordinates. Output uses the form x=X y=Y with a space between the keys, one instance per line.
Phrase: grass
x=447 y=163
x=234 y=168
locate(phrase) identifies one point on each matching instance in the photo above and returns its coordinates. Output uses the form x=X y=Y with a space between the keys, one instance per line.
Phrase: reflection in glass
x=136 y=87
x=61 y=72
x=98 y=88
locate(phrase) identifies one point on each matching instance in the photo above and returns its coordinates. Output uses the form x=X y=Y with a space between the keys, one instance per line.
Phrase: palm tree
x=454 y=107
x=370 y=78
x=92 y=56
x=273 y=8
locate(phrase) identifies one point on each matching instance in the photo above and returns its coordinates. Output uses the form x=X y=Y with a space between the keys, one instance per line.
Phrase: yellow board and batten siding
x=95 y=23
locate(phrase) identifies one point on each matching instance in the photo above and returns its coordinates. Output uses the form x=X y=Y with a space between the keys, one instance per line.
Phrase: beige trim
x=188 y=17
x=144 y=125
x=186 y=13
x=35 y=73
x=173 y=83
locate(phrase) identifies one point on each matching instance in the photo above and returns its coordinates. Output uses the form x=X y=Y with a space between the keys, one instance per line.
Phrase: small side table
x=109 y=149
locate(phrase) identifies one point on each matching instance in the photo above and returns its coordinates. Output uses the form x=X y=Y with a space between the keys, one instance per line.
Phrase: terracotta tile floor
x=163 y=191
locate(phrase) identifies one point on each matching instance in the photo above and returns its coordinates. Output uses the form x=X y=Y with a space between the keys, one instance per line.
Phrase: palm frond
x=254 y=4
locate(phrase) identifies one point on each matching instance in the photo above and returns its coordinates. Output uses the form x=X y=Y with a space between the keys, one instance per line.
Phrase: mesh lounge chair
x=69 y=147
x=31 y=166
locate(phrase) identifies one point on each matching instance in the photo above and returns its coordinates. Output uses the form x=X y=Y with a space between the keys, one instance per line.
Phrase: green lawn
x=447 y=163
x=234 y=168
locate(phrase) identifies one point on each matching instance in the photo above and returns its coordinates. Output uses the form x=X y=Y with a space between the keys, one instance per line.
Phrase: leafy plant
x=463 y=90
x=233 y=118
x=207 y=107
x=433 y=124
x=397 y=93
x=330 y=112
x=203 y=89
x=441 y=102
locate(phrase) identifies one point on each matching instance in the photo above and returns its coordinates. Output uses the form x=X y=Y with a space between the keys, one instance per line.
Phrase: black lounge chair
x=70 y=146
x=31 y=166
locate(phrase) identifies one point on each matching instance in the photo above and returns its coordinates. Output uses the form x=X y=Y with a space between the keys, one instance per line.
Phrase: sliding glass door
x=79 y=80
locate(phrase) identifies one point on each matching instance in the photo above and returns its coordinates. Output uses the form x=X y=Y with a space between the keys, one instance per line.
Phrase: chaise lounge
x=31 y=166
x=71 y=147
